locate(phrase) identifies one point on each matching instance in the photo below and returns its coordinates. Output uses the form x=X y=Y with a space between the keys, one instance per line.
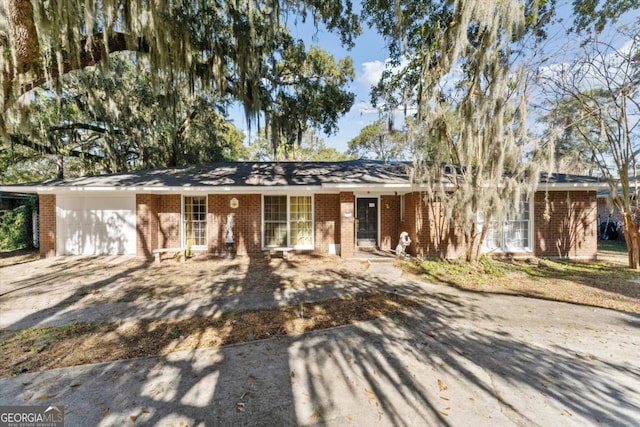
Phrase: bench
x=157 y=253
x=286 y=253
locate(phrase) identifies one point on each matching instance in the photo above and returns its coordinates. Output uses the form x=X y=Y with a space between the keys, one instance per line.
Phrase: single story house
x=323 y=207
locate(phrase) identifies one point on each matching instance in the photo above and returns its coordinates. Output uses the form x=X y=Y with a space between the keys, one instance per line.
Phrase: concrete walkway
x=463 y=359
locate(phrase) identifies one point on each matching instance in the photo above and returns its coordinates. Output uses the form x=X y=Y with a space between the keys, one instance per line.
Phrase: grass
x=612 y=246
x=600 y=284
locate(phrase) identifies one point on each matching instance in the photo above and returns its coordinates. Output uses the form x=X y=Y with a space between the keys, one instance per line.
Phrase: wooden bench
x=157 y=253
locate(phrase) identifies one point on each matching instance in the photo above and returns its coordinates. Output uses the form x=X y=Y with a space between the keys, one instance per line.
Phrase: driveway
x=461 y=359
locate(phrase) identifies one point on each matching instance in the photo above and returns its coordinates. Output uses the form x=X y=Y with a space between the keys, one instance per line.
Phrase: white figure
x=405 y=241
x=229 y=228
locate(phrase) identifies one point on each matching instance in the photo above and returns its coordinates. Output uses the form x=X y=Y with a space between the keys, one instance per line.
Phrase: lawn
x=607 y=283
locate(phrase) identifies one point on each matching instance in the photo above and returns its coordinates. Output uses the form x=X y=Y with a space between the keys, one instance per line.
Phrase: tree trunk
x=60 y=167
x=27 y=69
x=471 y=237
x=632 y=239
x=25 y=36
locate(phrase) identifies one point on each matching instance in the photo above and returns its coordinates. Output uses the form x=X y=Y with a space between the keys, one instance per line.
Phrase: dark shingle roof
x=271 y=174
x=252 y=174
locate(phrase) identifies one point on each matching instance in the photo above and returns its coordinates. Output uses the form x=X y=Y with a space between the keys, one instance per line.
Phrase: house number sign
x=233 y=204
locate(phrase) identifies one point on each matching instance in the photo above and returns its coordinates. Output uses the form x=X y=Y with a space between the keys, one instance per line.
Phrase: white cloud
x=372 y=71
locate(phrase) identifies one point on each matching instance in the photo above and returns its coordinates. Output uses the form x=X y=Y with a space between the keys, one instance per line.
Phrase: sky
x=369 y=55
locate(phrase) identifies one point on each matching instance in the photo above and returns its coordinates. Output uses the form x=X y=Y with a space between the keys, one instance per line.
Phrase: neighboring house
x=316 y=206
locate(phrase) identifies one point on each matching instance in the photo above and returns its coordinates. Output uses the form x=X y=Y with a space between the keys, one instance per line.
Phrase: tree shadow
x=424 y=367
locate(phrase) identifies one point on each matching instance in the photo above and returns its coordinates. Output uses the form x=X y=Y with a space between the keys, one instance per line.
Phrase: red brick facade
x=247 y=223
x=389 y=222
x=147 y=224
x=431 y=234
x=47 y=217
x=347 y=224
x=564 y=224
x=326 y=211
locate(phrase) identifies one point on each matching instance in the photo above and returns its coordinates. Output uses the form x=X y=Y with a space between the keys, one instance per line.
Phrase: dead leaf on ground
x=47 y=397
x=442 y=386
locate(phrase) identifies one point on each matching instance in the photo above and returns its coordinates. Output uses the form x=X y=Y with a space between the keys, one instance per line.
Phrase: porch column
x=47 y=213
x=347 y=224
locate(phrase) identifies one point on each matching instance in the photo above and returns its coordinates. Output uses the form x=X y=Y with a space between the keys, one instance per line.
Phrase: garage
x=95 y=225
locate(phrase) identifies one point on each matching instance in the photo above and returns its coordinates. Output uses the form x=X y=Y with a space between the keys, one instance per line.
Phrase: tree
x=139 y=133
x=304 y=92
x=603 y=84
x=379 y=141
x=574 y=147
x=465 y=60
x=479 y=117
x=229 y=47
x=311 y=149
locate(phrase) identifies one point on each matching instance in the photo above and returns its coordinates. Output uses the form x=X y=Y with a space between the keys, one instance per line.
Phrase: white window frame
x=183 y=221
x=288 y=207
x=501 y=247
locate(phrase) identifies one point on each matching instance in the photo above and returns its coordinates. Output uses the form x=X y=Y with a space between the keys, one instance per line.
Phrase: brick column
x=347 y=224
x=47 y=214
x=146 y=224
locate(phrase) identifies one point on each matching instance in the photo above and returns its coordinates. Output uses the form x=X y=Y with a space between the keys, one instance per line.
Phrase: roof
x=249 y=176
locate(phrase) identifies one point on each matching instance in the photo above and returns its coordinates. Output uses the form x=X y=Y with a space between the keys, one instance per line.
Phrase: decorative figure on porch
x=229 y=228
x=229 y=239
x=401 y=249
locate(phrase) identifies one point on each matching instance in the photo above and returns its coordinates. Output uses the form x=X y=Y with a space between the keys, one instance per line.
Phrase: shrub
x=16 y=227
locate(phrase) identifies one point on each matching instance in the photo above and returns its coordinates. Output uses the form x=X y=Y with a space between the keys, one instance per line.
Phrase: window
x=288 y=221
x=195 y=220
x=275 y=220
x=513 y=235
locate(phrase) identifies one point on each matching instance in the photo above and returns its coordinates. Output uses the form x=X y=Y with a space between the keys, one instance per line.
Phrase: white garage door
x=96 y=225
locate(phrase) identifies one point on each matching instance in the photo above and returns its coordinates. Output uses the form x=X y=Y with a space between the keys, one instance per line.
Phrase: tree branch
x=26 y=142
x=86 y=126
x=97 y=50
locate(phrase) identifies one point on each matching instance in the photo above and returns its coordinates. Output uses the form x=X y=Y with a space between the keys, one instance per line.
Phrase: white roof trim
x=571 y=186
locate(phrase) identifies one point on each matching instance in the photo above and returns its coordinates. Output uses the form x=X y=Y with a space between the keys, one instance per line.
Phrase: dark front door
x=367 y=216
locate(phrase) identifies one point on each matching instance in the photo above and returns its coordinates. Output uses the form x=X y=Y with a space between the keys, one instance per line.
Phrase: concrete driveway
x=462 y=359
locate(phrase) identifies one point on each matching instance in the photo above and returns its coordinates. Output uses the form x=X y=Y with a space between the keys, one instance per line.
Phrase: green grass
x=612 y=245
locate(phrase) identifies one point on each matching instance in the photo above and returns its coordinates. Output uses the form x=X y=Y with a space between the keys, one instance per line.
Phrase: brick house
x=321 y=207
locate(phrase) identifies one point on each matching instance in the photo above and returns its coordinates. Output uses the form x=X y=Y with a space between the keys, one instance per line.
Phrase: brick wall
x=47 y=218
x=565 y=224
x=389 y=222
x=327 y=221
x=147 y=223
x=431 y=235
x=347 y=224
x=247 y=223
x=169 y=218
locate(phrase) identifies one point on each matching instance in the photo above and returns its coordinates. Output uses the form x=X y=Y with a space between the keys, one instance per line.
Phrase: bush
x=16 y=228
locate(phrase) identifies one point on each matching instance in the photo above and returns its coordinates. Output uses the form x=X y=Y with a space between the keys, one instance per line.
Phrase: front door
x=367 y=220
